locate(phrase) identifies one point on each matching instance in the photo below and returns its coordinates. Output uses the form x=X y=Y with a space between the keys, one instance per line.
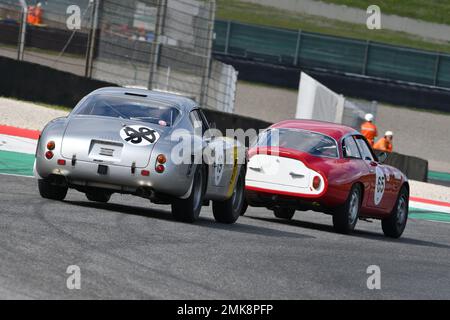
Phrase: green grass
x=262 y=15
x=437 y=11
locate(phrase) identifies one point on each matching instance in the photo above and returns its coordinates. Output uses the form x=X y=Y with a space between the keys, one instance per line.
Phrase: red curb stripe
x=437 y=203
x=19 y=132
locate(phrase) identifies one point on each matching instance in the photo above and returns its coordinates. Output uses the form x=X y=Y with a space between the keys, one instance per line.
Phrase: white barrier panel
x=315 y=101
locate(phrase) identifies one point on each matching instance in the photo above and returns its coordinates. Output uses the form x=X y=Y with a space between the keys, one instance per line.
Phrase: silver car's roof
x=185 y=104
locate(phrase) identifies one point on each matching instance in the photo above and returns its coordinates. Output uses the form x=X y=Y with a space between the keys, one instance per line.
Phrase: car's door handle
x=296 y=175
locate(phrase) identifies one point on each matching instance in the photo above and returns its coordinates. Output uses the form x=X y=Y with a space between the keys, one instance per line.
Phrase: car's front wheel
x=345 y=218
x=188 y=210
x=394 y=226
x=284 y=213
x=48 y=190
x=229 y=211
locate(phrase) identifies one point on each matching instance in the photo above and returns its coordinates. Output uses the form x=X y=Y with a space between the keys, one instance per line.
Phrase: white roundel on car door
x=140 y=136
x=380 y=185
x=218 y=165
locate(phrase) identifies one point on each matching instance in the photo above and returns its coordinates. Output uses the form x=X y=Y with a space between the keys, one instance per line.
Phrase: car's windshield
x=131 y=108
x=311 y=142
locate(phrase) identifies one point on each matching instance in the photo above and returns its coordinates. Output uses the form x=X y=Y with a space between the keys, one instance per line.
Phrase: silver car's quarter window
x=197 y=123
x=313 y=143
x=129 y=108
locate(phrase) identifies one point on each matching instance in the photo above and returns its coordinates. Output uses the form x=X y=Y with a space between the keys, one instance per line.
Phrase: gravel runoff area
x=417 y=133
x=430 y=191
x=26 y=115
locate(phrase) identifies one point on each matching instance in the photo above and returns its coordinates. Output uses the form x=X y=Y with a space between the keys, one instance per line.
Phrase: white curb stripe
x=17 y=144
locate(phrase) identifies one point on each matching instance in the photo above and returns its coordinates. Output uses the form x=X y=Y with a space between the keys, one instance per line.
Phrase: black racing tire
x=244 y=207
x=98 y=196
x=284 y=213
x=50 y=191
x=188 y=210
x=395 y=224
x=346 y=217
x=230 y=210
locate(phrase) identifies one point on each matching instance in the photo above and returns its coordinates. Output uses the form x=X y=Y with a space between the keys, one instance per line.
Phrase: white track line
x=16 y=175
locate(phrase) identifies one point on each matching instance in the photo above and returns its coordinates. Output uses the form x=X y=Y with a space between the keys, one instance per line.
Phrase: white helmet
x=369 y=117
x=389 y=134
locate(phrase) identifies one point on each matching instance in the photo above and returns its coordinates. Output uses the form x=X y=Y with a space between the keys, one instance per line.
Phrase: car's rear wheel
x=244 y=206
x=229 y=211
x=188 y=210
x=394 y=226
x=346 y=217
x=51 y=191
x=98 y=196
x=284 y=213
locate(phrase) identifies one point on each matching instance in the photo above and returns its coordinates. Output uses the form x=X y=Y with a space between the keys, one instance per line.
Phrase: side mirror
x=382 y=157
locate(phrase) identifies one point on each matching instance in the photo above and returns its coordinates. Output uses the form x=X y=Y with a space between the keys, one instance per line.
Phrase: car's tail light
x=61 y=162
x=49 y=155
x=161 y=159
x=316 y=182
x=145 y=173
x=160 y=168
x=51 y=145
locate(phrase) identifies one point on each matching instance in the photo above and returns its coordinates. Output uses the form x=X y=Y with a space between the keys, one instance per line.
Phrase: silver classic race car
x=149 y=144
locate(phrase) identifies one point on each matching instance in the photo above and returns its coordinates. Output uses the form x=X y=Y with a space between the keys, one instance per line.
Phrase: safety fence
x=309 y=50
x=158 y=44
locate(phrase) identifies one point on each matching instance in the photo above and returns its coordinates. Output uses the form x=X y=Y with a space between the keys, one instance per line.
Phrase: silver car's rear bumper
x=117 y=178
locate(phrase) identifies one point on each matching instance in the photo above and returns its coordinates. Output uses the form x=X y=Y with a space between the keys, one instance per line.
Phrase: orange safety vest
x=38 y=16
x=383 y=145
x=31 y=17
x=369 y=130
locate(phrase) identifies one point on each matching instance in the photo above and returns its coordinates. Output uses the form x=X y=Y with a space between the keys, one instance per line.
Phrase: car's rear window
x=313 y=143
x=131 y=108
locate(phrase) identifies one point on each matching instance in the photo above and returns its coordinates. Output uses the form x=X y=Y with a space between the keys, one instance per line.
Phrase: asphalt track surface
x=131 y=249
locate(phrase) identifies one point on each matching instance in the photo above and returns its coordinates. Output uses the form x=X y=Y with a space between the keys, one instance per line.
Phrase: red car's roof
x=336 y=131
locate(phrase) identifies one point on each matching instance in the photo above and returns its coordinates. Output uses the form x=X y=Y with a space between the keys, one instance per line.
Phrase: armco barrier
x=414 y=168
x=388 y=91
x=224 y=121
x=46 y=38
x=28 y=81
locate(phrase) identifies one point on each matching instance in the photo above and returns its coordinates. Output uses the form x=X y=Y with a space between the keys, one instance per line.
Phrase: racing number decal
x=380 y=185
x=139 y=135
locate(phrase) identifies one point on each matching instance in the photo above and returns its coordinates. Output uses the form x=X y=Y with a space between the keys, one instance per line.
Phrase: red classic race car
x=325 y=167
